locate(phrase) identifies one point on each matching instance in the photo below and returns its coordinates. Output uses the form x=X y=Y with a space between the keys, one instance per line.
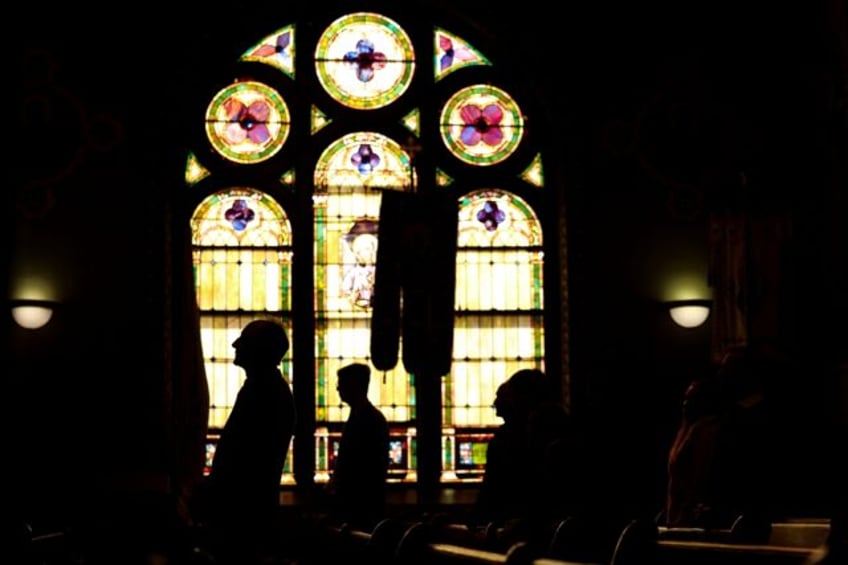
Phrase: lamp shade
x=689 y=313
x=32 y=314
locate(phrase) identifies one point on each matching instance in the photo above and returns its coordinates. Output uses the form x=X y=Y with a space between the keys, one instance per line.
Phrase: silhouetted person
x=692 y=461
x=357 y=487
x=239 y=502
x=747 y=460
x=517 y=493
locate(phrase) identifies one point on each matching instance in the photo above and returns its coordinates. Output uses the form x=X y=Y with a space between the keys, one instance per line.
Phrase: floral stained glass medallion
x=247 y=122
x=276 y=50
x=364 y=60
x=481 y=125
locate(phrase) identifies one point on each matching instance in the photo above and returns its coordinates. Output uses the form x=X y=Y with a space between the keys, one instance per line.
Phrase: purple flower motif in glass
x=490 y=215
x=365 y=160
x=366 y=60
x=266 y=50
x=451 y=53
x=481 y=124
x=239 y=215
x=247 y=122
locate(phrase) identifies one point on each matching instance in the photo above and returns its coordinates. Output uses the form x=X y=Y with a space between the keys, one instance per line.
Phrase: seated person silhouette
x=692 y=498
x=239 y=501
x=513 y=492
x=357 y=488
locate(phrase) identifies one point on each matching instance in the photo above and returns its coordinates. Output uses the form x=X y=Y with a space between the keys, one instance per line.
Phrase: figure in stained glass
x=360 y=262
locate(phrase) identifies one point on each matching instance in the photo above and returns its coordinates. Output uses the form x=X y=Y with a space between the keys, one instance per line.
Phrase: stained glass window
x=276 y=50
x=241 y=251
x=499 y=325
x=364 y=159
x=247 y=122
x=453 y=53
x=365 y=60
x=308 y=150
x=482 y=124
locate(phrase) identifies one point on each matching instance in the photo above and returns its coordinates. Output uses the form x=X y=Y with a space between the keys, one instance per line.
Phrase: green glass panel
x=195 y=172
x=412 y=122
x=534 y=173
x=318 y=120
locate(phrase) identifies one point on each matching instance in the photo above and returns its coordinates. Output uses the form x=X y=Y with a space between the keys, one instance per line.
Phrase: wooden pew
x=678 y=552
x=800 y=533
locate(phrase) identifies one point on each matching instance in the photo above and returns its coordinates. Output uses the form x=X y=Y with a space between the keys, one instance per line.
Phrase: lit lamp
x=689 y=313
x=32 y=314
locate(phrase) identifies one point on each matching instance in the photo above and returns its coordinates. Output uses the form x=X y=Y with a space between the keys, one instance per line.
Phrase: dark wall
x=654 y=113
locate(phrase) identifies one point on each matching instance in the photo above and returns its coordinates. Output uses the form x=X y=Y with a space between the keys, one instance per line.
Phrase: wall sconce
x=32 y=314
x=689 y=313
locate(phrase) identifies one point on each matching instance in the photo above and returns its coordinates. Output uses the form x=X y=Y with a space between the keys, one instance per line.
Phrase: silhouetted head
x=520 y=394
x=353 y=382
x=261 y=343
x=504 y=402
x=530 y=387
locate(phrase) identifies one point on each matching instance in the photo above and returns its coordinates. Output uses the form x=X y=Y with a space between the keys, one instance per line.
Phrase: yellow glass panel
x=497 y=279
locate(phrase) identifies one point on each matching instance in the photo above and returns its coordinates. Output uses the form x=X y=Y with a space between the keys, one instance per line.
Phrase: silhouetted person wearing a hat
x=239 y=503
x=357 y=488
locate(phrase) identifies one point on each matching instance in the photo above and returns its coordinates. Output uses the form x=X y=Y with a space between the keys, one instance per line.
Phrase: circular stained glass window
x=247 y=122
x=364 y=61
x=481 y=125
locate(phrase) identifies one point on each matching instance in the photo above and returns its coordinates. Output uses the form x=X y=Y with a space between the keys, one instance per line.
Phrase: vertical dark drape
x=415 y=281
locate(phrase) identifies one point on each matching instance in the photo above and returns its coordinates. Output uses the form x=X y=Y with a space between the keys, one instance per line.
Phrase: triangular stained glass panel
x=194 y=172
x=534 y=173
x=318 y=120
x=452 y=53
x=442 y=178
x=412 y=122
x=276 y=50
x=288 y=178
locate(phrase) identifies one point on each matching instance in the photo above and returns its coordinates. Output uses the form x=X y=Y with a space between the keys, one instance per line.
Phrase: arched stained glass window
x=363 y=159
x=346 y=219
x=499 y=325
x=242 y=255
x=286 y=177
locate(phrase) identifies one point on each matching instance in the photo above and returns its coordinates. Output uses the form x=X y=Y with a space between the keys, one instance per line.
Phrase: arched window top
x=365 y=60
x=240 y=217
x=497 y=218
x=247 y=122
x=363 y=159
x=481 y=124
